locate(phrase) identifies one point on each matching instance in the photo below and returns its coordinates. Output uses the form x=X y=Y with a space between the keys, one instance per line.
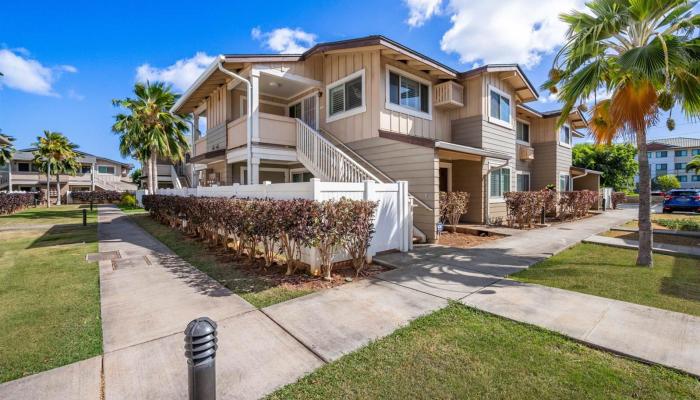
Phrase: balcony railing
x=274 y=129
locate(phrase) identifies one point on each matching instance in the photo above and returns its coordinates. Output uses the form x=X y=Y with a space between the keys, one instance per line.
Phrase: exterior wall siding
x=416 y=164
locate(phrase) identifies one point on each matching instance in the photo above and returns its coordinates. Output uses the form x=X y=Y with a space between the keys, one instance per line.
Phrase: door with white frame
x=306 y=110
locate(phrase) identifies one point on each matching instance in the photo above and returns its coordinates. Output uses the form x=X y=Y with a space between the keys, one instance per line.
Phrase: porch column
x=255 y=106
x=254 y=171
x=92 y=177
x=9 y=176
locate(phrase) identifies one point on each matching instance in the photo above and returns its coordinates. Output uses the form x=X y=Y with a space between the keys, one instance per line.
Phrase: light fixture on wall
x=275 y=84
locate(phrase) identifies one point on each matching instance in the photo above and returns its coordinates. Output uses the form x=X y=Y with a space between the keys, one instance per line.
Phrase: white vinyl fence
x=393 y=218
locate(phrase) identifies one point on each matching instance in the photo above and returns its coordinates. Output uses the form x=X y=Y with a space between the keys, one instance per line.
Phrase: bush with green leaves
x=452 y=206
x=127 y=200
x=684 y=224
x=276 y=226
x=665 y=183
x=97 y=196
x=13 y=202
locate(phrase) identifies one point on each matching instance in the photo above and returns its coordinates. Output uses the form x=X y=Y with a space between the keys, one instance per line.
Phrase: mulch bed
x=274 y=275
x=464 y=240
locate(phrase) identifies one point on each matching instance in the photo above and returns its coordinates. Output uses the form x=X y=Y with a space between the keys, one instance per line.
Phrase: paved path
x=661 y=248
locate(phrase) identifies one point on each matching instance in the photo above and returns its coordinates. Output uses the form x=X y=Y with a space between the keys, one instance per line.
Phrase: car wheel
x=668 y=211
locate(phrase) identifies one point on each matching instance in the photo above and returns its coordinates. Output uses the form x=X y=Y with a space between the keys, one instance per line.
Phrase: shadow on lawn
x=64 y=234
x=684 y=282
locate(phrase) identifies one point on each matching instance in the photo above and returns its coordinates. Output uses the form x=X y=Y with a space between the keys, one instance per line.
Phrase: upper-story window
x=346 y=96
x=523 y=132
x=682 y=178
x=565 y=135
x=23 y=167
x=695 y=152
x=650 y=154
x=105 y=169
x=680 y=165
x=499 y=107
x=680 y=153
x=661 y=167
x=661 y=154
x=407 y=93
x=85 y=169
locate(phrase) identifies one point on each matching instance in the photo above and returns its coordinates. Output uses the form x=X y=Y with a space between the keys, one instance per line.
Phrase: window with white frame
x=408 y=93
x=680 y=153
x=523 y=132
x=105 y=169
x=695 y=152
x=564 y=183
x=346 y=97
x=565 y=135
x=499 y=107
x=661 y=154
x=523 y=182
x=682 y=178
x=500 y=182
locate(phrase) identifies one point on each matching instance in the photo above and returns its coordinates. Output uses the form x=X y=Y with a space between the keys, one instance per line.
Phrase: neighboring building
x=96 y=173
x=371 y=108
x=170 y=175
x=670 y=156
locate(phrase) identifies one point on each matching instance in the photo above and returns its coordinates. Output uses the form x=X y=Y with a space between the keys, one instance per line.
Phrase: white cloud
x=285 y=40
x=421 y=11
x=27 y=74
x=549 y=98
x=181 y=74
x=73 y=95
x=507 y=31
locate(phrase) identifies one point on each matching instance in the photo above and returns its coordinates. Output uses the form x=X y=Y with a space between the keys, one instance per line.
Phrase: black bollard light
x=84 y=217
x=200 y=351
x=90 y=205
x=542 y=216
x=604 y=205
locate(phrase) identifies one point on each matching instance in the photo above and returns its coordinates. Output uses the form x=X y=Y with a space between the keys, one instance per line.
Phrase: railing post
x=200 y=351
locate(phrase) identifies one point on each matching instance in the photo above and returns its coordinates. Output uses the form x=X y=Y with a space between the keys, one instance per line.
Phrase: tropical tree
x=55 y=154
x=148 y=130
x=6 y=150
x=136 y=176
x=645 y=54
x=693 y=165
x=665 y=183
x=616 y=162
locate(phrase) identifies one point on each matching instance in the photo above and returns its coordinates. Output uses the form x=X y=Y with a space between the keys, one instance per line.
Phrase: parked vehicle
x=658 y=193
x=682 y=200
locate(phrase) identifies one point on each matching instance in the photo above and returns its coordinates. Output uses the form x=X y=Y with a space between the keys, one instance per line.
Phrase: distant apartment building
x=670 y=157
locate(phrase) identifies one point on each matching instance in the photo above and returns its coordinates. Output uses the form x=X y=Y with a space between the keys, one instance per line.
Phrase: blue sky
x=65 y=61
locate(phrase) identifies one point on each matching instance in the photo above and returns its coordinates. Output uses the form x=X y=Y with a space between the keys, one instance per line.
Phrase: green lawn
x=50 y=296
x=672 y=284
x=461 y=353
x=130 y=210
x=256 y=291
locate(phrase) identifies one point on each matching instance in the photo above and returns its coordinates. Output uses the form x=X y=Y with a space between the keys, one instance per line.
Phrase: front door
x=306 y=110
x=444 y=176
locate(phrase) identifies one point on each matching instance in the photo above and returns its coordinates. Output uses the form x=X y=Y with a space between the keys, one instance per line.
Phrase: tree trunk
x=154 y=172
x=48 y=185
x=644 y=257
x=58 y=189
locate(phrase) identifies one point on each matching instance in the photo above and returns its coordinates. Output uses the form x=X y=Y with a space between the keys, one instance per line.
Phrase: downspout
x=488 y=188
x=249 y=122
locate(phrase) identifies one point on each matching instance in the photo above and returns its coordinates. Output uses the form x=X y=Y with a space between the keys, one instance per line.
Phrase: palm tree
x=6 y=150
x=645 y=54
x=55 y=153
x=149 y=130
x=693 y=165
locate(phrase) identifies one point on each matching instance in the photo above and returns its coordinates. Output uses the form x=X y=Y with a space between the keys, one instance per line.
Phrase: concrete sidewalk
x=661 y=248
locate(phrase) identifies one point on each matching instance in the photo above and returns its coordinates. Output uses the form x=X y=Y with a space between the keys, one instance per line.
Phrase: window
x=695 y=178
x=661 y=167
x=23 y=167
x=302 y=176
x=523 y=182
x=680 y=153
x=682 y=178
x=565 y=135
x=564 y=183
x=661 y=154
x=85 y=169
x=650 y=154
x=105 y=169
x=346 y=97
x=523 y=132
x=295 y=110
x=407 y=93
x=499 y=107
x=500 y=182
x=695 y=152
x=680 y=165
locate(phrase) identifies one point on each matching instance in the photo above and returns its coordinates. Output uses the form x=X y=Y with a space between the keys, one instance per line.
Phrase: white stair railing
x=175 y=178
x=325 y=160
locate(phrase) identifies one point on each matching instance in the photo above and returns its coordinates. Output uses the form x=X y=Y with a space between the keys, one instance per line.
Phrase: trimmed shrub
x=452 y=206
x=617 y=198
x=13 y=202
x=684 y=224
x=577 y=203
x=97 y=196
x=525 y=207
x=127 y=200
x=275 y=226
